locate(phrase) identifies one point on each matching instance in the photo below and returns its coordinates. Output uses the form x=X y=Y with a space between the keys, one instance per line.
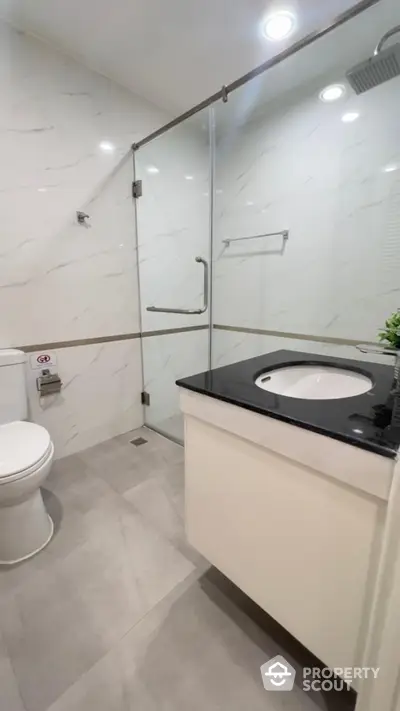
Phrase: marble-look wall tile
x=100 y=397
x=294 y=164
x=80 y=282
x=232 y=346
x=63 y=132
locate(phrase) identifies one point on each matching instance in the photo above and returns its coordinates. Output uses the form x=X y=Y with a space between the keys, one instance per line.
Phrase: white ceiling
x=173 y=52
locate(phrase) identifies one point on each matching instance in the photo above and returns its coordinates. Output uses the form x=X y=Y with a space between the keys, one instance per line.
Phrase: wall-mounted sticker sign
x=43 y=360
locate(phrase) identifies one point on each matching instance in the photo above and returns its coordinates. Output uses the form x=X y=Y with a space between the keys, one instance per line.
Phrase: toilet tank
x=13 y=398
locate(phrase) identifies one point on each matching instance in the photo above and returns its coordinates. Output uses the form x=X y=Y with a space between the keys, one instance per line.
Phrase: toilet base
x=25 y=529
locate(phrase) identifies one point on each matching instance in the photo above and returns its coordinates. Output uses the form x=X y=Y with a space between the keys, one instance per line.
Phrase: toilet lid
x=22 y=445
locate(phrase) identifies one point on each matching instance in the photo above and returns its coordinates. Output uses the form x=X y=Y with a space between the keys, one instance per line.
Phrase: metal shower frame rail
x=224 y=92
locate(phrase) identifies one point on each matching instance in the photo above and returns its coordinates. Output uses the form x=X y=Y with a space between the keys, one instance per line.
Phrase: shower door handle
x=205 y=285
x=192 y=312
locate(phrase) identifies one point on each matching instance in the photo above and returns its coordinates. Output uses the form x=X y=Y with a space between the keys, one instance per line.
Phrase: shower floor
x=171 y=427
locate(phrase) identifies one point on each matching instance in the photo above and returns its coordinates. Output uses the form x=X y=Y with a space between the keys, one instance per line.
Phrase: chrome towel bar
x=282 y=233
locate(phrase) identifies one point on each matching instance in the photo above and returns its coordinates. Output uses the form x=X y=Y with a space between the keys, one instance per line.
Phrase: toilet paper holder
x=48 y=383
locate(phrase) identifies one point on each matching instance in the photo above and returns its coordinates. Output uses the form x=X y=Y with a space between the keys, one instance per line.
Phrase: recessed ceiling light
x=350 y=117
x=332 y=93
x=152 y=169
x=279 y=25
x=106 y=146
x=249 y=203
x=189 y=177
x=390 y=168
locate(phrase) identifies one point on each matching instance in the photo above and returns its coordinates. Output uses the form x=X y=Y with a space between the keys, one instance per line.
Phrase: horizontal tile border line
x=106 y=339
x=295 y=336
x=56 y=345
x=168 y=331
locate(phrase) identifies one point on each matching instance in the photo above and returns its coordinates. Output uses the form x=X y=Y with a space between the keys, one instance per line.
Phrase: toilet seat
x=24 y=447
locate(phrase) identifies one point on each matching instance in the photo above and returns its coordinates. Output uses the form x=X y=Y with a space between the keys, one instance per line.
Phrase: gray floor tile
x=151 y=499
x=50 y=641
x=65 y=473
x=171 y=451
x=121 y=472
x=69 y=493
x=122 y=465
x=10 y=699
x=188 y=653
x=14 y=577
x=111 y=616
x=70 y=509
x=107 y=687
x=173 y=481
x=173 y=426
x=160 y=500
x=67 y=617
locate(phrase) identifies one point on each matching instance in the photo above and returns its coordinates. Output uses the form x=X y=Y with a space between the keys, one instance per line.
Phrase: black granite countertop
x=363 y=421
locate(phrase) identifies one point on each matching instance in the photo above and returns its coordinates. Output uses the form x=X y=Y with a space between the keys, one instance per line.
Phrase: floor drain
x=138 y=441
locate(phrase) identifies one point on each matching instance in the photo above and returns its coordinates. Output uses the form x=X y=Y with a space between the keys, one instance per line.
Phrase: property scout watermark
x=279 y=675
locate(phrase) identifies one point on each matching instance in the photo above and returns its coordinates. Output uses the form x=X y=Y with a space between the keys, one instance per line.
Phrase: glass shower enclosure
x=269 y=218
x=174 y=255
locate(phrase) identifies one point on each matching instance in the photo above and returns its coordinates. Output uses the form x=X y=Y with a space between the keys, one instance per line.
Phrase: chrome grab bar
x=188 y=311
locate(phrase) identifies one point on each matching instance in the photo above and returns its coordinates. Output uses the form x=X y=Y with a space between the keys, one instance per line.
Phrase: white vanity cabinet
x=306 y=525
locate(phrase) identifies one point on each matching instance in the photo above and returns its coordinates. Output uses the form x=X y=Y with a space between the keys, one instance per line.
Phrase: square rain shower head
x=376 y=70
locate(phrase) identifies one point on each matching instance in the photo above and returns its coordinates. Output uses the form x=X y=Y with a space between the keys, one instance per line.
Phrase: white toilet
x=26 y=456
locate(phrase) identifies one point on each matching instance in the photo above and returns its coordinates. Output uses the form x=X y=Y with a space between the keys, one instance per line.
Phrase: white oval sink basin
x=314 y=382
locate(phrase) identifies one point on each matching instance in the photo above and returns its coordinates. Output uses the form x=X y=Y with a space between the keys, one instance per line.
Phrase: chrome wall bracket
x=145 y=398
x=81 y=217
x=137 y=189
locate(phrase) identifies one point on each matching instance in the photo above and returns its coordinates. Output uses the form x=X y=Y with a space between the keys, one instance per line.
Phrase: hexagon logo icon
x=278 y=674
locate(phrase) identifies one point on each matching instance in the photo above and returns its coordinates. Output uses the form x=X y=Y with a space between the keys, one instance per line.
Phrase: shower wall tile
x=294 y=165
x=80 y=282
x=100 y=397
x=64 y=131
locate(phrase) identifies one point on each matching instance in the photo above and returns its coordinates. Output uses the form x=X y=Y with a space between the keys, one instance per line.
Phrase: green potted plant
x=391 y=333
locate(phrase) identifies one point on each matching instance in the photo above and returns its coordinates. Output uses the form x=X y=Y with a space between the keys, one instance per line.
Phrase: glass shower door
x=173 y=217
